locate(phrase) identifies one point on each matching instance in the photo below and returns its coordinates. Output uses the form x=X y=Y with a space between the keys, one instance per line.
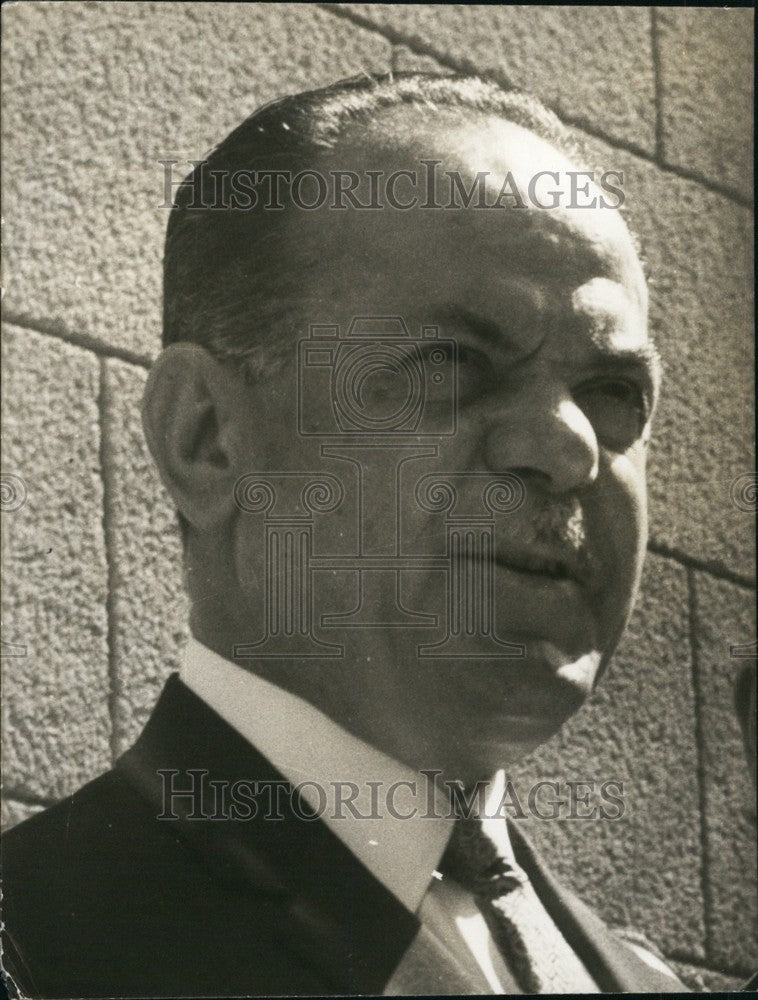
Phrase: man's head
x=546 y=307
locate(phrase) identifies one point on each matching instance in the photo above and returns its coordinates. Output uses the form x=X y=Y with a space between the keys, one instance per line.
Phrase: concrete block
x=726 y=617
x=14 y=812
x=638 y=728
x=592 y=65
x=95 y=97
x=699 y=259
x=148 y=604
x=706 y=87
x=56 y=727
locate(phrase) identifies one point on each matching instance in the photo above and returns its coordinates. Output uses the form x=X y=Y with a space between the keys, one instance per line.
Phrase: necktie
x=538 y=955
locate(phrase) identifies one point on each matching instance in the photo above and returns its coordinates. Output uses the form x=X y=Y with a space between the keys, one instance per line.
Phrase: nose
x=540 y=431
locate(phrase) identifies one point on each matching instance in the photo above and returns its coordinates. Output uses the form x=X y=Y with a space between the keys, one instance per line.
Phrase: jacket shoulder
x=103 y=898
x=59 y=869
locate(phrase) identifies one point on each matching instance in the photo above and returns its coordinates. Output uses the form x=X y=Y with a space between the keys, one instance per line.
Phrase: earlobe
x=184 y=420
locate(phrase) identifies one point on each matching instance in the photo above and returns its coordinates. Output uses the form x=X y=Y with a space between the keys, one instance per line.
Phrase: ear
x=187 y=412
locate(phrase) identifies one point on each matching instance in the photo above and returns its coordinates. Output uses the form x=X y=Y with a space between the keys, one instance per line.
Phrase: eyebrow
x=646 y=356
x=483 y=329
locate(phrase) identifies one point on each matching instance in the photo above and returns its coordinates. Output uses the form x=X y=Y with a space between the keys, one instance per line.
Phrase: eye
x=617 y=409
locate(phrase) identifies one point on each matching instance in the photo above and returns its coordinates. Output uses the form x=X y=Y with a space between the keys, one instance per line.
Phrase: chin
x=498 y=743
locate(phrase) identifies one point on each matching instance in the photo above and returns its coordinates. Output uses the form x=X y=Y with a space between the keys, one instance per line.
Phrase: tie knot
x=473 y=859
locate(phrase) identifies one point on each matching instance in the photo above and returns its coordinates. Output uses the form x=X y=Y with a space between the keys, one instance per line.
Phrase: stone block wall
x=94 y=613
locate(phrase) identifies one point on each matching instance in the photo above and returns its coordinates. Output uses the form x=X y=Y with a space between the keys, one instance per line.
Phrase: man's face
x=555 y=389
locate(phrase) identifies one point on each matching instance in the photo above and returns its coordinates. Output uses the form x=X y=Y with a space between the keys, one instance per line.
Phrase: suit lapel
x=330 y=907
x=614 y=966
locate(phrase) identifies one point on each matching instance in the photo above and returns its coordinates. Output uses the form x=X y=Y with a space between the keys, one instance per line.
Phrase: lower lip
x=545 y=608
x=537 y=579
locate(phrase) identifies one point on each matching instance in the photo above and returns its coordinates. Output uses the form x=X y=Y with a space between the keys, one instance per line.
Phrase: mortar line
x=103 y=405
x=27 y=798
x=83 y=340
x=700 y=964
x=462 y=65
x=710 y=567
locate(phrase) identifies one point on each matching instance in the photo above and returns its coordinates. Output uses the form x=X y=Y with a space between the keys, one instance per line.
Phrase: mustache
x=558 y=523
x=549 y=535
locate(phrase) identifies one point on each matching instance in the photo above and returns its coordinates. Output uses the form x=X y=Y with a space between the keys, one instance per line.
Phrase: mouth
x=554 y=568
x=548 y=596
x=545 y=566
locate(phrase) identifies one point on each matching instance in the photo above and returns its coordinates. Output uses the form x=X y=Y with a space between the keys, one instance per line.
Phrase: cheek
x=423 y=530
x=628 y=473
x=624 y=509
x=249 y=555
x=621 y=510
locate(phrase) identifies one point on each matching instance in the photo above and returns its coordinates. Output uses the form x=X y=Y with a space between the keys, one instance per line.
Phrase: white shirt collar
x=306 y=746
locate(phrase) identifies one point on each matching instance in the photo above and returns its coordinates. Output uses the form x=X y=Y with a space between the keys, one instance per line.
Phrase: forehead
x=386 y=258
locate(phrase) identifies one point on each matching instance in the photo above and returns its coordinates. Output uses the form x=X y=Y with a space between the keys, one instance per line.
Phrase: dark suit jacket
x=102 y=899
